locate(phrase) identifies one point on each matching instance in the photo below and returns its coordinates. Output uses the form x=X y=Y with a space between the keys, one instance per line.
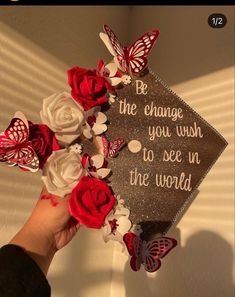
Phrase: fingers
x=73 y=223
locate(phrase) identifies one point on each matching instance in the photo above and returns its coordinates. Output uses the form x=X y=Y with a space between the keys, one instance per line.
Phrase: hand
x=53 y=215
x=49 y=228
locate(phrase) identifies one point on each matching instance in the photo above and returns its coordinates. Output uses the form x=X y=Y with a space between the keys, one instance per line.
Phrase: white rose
x=62 y=172
x=64 y=116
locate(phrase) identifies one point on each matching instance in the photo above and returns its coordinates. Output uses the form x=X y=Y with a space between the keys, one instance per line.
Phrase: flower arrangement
x=56 y=147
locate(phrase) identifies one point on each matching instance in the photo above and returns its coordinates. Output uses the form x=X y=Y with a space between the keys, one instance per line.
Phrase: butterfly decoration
x=132 y=59
x=147 y=253
x=15 y=147
x=111 y=148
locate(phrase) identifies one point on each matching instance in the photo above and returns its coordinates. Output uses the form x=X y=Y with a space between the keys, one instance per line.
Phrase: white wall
x=37 y=46
x=187 y=46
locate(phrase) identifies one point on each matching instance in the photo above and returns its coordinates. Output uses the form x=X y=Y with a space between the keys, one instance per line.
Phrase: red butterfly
x=147 y=253
x=15 y=149
x=133 y=58
x=111 y=148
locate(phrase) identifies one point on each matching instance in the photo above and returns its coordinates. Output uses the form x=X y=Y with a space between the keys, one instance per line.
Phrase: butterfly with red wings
x=147 y=253
x=132 y=59
x=15 y=148
x=110 y=148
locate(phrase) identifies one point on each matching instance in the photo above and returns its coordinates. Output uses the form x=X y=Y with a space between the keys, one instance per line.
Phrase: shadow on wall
x=81 y=275
x=69 y=33
x=28 y=74
x=192 y=271
x=187 y=46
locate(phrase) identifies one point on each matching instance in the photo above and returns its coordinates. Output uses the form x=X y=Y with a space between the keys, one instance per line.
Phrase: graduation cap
x=158 y=149
x=170 y=149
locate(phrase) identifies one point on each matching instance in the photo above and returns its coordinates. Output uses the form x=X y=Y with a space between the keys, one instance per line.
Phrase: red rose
x=43 y=141
x=91 y=201
x=88 y=87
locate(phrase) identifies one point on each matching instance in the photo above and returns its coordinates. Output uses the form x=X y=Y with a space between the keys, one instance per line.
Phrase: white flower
x=100 y=145
x=112 y=98
x=126 y=79
x=109 y=71
x=117 y=223
x=64 y=116
x=62 y=172
x=99 y=126
x=94 y=166
x=95 y=124
x=120 y=208
x=76 y=148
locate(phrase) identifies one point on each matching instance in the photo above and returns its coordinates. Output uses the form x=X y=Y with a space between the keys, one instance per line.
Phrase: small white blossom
x=126 y=79
x=76 y=148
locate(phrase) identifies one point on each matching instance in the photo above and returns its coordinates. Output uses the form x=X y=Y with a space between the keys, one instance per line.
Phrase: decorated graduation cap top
x=128 y=150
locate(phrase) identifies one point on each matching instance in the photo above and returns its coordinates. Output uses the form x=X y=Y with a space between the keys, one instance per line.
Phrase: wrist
x=38 y=242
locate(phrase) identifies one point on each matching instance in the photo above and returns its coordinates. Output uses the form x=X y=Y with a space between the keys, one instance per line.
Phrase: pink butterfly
x=15 y=149
x=147 y=253
x=131 y=59
x=111 y=148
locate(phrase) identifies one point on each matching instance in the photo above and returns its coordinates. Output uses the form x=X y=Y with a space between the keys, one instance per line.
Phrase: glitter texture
x=156 y=208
